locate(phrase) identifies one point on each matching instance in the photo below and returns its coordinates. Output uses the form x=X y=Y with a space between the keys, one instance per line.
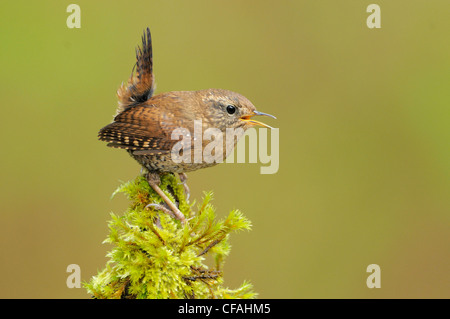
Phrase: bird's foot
x=154 y=181
x=161 y=208
x=183 y=179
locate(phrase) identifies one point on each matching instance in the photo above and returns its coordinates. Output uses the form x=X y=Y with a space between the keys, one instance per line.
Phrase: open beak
x=247 y=118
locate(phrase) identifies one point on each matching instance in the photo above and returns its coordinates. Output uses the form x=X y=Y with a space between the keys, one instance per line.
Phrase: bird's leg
x=154 y=181
x=143 y=171
x=183 y=179
x=163 y=209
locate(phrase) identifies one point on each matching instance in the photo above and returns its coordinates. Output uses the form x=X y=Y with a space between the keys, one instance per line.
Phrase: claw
x=161 y=208
x=183 y=179
x=154 y=180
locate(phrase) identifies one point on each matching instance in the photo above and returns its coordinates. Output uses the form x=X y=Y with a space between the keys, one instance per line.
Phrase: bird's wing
x=140 y=86
x=137 y=129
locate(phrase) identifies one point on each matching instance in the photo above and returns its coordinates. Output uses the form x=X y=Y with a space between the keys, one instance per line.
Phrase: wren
x=144 y=123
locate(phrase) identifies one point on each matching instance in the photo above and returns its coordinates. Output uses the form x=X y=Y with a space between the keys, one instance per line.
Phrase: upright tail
x=141 y=84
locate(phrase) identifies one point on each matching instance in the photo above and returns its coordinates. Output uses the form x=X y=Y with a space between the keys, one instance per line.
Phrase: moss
x=155 y=256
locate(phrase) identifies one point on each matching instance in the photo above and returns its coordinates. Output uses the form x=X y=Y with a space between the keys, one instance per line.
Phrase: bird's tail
x=140 y=86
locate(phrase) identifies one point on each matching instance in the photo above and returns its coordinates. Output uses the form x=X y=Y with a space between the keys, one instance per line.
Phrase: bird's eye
x=231 y=109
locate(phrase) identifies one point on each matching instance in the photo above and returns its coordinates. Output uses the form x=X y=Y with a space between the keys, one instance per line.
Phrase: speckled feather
x=140 y=86
x=144 y=123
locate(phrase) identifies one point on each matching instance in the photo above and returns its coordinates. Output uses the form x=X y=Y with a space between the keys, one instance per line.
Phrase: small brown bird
x=144 y=124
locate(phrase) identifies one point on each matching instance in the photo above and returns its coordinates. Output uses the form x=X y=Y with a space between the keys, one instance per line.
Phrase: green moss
x=155 y=256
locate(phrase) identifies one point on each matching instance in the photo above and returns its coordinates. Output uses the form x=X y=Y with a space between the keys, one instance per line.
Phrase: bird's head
x=226 y=109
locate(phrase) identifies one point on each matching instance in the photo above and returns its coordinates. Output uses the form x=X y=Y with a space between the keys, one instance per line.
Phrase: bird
x=144 y=123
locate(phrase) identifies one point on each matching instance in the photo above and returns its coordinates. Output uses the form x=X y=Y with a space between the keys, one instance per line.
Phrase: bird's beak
x=247 y=118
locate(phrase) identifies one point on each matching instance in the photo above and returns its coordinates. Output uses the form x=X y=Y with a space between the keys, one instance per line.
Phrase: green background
x=363 y=116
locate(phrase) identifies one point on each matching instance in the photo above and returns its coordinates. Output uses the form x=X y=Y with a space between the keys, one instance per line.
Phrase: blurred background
x=363 y=116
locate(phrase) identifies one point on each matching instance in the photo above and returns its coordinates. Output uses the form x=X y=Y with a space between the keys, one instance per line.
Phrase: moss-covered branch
x=155 y=256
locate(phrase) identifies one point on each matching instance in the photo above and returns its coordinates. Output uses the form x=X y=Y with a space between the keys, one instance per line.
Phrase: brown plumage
x=144 y=123
x=141 y=85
